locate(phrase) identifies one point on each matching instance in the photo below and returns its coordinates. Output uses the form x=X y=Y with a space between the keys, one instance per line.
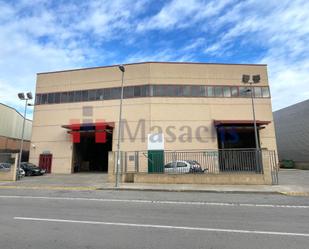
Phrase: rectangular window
x=85 y=95
x=144 y=91
x=99 y=94
x=115 y=93
x=64 y=97
x=210 y=91
x=158 y=90
x=244 y=92
x=38 y=99
x=44 y=98
x=92 y=95
x=265 y=92
x=218 y=91
x=107 y=93
x=71 y=97
x=226 y=91
x=57 y=98
x=196 y=91
x=77 y=96
x=258 y=92
x=234 y=91
x=128 y=92
x=51 y=98
x=137 y=91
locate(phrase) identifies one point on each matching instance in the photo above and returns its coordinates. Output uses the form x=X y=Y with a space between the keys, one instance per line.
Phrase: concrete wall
x=48 y=135
x=11 y=174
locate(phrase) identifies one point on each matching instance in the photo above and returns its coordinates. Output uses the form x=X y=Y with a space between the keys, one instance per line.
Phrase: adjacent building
x=11 y=123
x=195 y=106
x=292 y=131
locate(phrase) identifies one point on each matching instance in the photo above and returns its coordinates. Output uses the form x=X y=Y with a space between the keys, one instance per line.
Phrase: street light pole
x=254 y=120
x=122 y=69
x=255 y=80
x=26 y=98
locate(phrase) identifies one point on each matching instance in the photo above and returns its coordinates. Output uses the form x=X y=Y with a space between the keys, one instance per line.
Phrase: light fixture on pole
x=255 y=80
x=122 y=69
x=26 y=97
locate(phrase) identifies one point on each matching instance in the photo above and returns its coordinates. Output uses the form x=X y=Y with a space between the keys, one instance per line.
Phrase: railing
x=197 y=162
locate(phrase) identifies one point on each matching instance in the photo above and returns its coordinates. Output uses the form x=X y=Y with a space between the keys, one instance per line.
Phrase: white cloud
x=282 y=30
x=181 y=14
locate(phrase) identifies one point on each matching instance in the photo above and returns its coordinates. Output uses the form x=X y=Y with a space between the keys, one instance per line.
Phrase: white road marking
x=204 y=229
x=226 y=204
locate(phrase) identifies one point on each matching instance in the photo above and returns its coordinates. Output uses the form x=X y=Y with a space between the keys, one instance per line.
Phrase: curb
x=80 y=188
x=295 y=193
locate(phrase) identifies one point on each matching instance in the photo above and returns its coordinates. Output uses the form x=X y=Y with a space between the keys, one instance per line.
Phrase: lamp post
x=26 y=97
x=122 y=69
x=255 y=80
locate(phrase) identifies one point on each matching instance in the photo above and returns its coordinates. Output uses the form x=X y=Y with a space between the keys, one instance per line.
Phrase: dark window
x=159 y=90
x=107 y=93
x=265 y=92
x=57 y=98
x=144 y=91
x=234 y=91
x=137 y=91
x=99 y=94
x=92 y=95
x=64 y=97
x=44 y=98
x=218 y=91
x=115 y=93
x=128 y=92
x=71 y=97
x=244 y=92
x=198 y=91
x=168 y=166
x=38 y=99
x=51 y=98
x=210 y=91
x=258 y=92
x=85 y=95
x=181 y=165
x=226 y=91
x=77 y=96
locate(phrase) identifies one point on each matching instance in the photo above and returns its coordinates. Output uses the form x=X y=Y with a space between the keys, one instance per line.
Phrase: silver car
x=183 y=166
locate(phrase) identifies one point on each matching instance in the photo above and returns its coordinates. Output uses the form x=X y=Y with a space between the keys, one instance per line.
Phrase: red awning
x=240 y=122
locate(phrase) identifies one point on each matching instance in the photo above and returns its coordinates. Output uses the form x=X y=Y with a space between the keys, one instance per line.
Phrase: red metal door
x=46 y=162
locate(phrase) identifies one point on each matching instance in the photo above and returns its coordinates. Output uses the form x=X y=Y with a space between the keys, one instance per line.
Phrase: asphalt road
x=119 y=219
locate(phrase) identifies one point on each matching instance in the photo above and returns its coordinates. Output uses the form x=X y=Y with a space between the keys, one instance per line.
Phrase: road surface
x=129 y=219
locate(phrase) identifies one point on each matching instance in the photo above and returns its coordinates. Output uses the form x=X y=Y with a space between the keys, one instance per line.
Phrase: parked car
x=31 y=169
x=7 y=167
x=183 y=166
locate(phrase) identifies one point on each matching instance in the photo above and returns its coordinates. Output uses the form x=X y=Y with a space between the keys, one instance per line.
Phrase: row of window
x=151 y=91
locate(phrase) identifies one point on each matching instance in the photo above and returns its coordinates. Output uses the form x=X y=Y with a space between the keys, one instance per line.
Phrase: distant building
x=11 y=123
x=292 y=132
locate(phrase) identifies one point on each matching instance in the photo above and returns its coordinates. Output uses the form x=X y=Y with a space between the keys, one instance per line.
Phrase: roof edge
x=10 y=107
x=153 y=62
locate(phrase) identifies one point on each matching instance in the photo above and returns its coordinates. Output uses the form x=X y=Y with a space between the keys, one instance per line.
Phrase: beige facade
x=184 y=116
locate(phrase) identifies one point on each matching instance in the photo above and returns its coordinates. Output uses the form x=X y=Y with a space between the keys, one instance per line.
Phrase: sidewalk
x=291 y=182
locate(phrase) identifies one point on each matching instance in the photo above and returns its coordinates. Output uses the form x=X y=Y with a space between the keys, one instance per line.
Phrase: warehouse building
x=11 y=123
x=193 y=106
x=292 y=131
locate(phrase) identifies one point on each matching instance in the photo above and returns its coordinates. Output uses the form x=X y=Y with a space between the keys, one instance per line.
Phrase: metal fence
x=198 y=162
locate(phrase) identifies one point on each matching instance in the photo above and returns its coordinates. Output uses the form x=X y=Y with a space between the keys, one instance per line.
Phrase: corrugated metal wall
x=11 y=123
x=292 y=132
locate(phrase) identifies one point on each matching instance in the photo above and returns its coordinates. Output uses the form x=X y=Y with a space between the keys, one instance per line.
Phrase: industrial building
x=292 y=131
x=11 y=123
x=195 y=106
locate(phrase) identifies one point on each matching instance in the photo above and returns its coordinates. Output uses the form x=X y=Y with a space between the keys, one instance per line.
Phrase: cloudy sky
x=41 y=35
